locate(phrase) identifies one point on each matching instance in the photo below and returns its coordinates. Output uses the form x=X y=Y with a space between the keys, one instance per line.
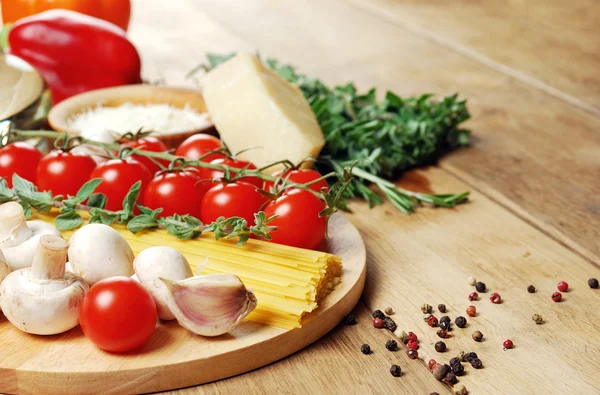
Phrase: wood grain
x=174 y=357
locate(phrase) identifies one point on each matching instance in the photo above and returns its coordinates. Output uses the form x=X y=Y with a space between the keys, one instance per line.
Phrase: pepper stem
x=50 y=259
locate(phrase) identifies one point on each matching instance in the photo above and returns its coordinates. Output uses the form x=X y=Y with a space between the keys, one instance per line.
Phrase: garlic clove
x=209 y=305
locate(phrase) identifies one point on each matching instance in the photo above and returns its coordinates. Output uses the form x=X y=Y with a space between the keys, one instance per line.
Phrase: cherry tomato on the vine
x=231 y=199
x=151 y=144
x=177 y=192
x=118 y=314
x=212 y=174
x=64 y=173
x=298 y=222
x=299 y=176
x=20 y=158
x=197 y=145
x=118 y=175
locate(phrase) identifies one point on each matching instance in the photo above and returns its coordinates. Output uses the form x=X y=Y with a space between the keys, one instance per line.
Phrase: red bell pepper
x=74 y=52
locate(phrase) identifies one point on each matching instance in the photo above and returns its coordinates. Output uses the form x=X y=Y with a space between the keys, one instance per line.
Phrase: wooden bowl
x=136 y=94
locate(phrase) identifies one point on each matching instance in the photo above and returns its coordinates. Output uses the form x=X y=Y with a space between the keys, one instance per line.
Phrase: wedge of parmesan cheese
x=254 y=109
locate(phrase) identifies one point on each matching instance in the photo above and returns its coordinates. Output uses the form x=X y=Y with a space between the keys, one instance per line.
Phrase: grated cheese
x=129 y=117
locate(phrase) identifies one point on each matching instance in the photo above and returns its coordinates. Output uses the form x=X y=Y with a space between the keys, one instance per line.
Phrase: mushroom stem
x=13 y=225
x=50 y=259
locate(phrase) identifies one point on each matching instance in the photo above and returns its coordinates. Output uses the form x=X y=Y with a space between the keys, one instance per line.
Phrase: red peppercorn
x=471 y=311
x=411 y=336
x=563 y=286
x=495 y=298
x=473 y=296
x=432 y=321
x=557 y=296
x=413 y=354
x=432 y=364
x=413 y=345
x=508 y=344
x=378 y=323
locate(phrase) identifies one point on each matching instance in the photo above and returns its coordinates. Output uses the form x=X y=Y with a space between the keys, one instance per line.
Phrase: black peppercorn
x=444 y=325
x=454 y=361
x=470 y=356
x=440 y=371
x=450 y=379
x=350 y=319
x=480 y=287
x=442 y=308
x=389 y=324
x=365 y=349
x=461 y=322
x=434 y=393
x=440 y=346
x=391 y=345
x=444 y=318
x=531 y=289
x=412 y=353
x=593 y=283
x=395 y=371
x=378 y=314
x=476 y=363
x=477 y=336
x=457 y=368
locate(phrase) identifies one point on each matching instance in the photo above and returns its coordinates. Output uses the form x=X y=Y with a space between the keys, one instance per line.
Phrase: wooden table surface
x=530 y=71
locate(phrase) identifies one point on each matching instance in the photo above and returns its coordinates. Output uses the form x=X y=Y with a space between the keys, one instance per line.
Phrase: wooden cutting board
x=174 y=357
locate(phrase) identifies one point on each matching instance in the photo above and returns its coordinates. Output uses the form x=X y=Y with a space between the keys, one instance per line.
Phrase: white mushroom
x=98 y=251
x=44 y=299
x=4 y=268
x=18 y=237
x=156 y=262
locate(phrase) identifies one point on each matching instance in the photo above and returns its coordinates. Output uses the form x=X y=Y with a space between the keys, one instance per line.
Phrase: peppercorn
x=450 y=378
x=389 y=324
x=440 y=371
x=350 y=319
x=461 y=322
x=391 y=345
x=389 y=310
x=454 y=361
x=531 y=289
x=471 y=280
x=378 y=323
x=432 y=321
x=457 y=368
x=431 y=364
x=461 y=356
x=480 y=287
x=412 y=344
x=413 y=354
x=476 y=363
x=473 y=296
x=563 y=286
x=365 y=349
x=460 y=389
x=378 y=314
x=395 y=371
x=442 y=308
x=593 y=283
x=495 y=298
x=426 y=309
x=470 y=356
x=508 y=344
x=444 y=318
x=537 y=319
x=411 y=336
x=557 y=296
x=440 y=346
x=443 y=333
x=434 y=393
x=444 y=325
x=471 y=311
x=477 y=336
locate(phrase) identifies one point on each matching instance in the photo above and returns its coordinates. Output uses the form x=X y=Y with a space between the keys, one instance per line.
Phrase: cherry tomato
x=197 y=145
x=64 y=173
x=151 y=144
x=118 y=176
x=298 y=222
x=299 y=176
x=118 y=314
x=20 y=158
x=212 y=174
x=233 y=199
x=177 y=192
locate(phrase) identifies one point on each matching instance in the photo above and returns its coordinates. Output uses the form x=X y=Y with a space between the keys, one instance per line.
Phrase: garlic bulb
x=209 y=305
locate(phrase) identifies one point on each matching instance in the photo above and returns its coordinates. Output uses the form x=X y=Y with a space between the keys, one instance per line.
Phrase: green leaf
x=129 y=202
x=4 y=35
x=142 y=222
x=30 y=197
x=101 y=216
x=6 y=194
x=97 y=200
x=68 y=220
x=180 y=228
x=88 y=188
